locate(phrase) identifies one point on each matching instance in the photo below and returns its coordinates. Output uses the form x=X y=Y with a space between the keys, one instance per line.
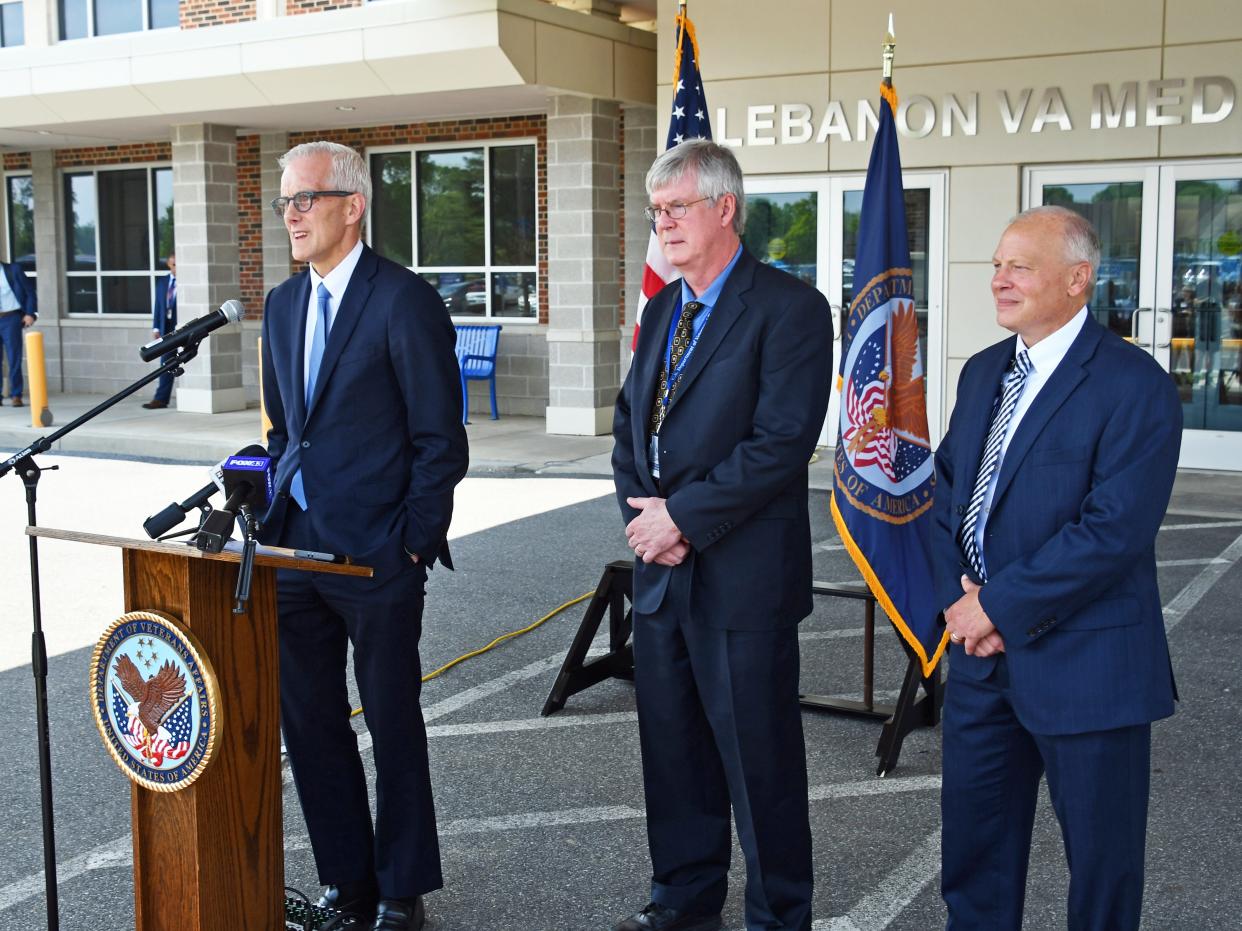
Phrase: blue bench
x=476 y=357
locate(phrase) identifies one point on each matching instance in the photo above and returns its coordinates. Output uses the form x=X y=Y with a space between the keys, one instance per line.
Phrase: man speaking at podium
x=361 y=384
x=714 y=429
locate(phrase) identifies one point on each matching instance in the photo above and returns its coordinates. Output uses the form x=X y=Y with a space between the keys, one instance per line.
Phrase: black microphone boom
x=195 y=330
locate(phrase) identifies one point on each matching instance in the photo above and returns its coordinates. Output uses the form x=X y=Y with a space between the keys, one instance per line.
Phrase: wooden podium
x=210 y=857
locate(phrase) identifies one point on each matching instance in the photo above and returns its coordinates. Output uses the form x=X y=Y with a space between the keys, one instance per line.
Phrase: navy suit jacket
x=23 y=290
x=160 y=319
x=381 y=445
x=1070 y=542
x=734 y=447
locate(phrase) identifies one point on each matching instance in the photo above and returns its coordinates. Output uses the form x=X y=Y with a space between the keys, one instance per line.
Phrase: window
x=465 y=218
x=118 y=234
x=12 y=25
x=19 y=213
x=80 y=19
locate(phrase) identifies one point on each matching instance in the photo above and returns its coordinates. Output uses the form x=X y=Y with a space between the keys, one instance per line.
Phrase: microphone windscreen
x=233 y=310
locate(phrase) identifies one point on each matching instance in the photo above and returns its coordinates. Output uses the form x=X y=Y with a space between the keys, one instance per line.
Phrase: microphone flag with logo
x=883 y=473
x=689 y=120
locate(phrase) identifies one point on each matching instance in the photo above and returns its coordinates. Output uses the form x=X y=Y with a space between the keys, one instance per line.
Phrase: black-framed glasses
x=674 y=211
x=304 y=200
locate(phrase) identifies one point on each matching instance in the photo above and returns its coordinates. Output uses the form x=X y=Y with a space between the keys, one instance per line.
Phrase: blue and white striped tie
x=1015 y=381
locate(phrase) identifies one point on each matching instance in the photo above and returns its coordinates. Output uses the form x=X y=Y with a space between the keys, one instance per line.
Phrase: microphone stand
x=241 y=594
x=29 y=471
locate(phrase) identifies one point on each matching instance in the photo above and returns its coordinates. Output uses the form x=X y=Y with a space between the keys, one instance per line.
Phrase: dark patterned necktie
x=1015 y=381
x=681 y=342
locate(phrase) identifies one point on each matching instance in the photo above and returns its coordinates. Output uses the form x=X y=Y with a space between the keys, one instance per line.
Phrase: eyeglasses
x=304 y=200
x=674 y=211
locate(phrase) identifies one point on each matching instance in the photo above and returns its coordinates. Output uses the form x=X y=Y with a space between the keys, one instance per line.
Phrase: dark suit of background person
x=380 y=448
x=715 y=636
x=163 y=322
x=1069 y=552
x=19 y=308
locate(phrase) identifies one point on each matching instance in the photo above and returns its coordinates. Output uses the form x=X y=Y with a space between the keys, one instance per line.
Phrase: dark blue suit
x=11 y=322
x=163 y=322
x=381 y=448
x=715 y=638
x=1070 y=552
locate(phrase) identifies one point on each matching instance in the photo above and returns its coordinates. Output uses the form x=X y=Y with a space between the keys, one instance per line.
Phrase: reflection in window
x=1116 y=212
x=781 y=231
x=12 y=25
x=392 y=233
x=450 y=207
x=20 y=204
x=1206 y=351
x=114 y=16
x=472 y=231
x=119 y=227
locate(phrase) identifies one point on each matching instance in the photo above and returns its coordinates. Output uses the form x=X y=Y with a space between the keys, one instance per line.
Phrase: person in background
x=163 y=322
x=19 y=308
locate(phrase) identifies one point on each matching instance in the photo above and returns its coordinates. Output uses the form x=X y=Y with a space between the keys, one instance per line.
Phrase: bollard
x=36 y=378
x=265 y=423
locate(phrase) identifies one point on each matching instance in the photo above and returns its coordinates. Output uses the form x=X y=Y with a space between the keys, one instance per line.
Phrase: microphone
x=249 y=484
x=159 y=524
x=195 y=330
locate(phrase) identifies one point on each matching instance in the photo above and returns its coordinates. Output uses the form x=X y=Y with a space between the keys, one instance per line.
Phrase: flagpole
x=890 y=48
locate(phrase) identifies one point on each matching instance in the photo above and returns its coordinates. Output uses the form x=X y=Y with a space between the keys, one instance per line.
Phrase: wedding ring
x=955 y=638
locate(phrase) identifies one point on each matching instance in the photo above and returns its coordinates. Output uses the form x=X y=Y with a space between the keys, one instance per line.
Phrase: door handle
x=1134 y=327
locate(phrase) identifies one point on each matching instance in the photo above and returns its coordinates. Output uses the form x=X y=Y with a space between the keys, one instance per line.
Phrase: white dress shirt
x=336 y=281
x=1045 y=356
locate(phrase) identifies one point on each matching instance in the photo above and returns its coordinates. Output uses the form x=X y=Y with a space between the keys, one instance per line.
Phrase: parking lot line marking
x=117 y=852
x=1185 y=600
x=889 y=898
x=1165 y=563
x=1208 y=525
x=531 y=724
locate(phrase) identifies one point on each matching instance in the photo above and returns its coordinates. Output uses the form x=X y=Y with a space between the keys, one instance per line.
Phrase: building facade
x=508 y=139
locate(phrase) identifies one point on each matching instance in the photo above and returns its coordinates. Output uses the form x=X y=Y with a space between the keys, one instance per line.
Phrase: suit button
x=306 y=444
x=961 y=509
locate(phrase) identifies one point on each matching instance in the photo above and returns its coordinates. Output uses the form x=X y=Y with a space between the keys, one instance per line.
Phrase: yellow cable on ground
x=499 y=640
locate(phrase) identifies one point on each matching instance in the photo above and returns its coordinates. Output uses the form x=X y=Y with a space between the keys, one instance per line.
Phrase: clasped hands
x=970 y=625
x=653 y=536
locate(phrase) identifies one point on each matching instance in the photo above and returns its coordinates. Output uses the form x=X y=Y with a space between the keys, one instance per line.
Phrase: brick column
x=584 y=370
x=276 y=251
x=204 y=159
x=49 y=231
x=640 y=152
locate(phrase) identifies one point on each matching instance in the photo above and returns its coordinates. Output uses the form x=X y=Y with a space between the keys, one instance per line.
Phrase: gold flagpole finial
x=890 y=47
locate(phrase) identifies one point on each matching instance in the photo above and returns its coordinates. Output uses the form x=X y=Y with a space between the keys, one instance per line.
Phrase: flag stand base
x=616 y=588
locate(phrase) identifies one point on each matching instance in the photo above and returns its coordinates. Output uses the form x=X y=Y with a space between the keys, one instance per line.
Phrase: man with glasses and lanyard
x=714 y=429
x=361 y=383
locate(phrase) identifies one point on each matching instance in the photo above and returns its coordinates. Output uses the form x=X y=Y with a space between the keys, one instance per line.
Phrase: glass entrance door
x=1198 y=291
x=1171 y=238
x=809 y=227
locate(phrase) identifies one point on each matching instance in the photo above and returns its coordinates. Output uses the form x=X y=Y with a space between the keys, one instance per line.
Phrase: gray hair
x=349 y=169
x=1082 y=242
x=715 y=168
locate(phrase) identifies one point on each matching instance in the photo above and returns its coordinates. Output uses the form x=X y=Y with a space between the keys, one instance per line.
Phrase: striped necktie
x=1015 y=381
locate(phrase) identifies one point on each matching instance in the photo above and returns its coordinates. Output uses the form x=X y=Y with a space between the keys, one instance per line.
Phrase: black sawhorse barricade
x=616 y=587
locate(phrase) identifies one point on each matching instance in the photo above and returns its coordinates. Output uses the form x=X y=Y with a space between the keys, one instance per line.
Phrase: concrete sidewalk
x=511 y=444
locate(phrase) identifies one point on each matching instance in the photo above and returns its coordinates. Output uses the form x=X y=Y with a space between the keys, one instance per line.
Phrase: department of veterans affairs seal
x=155 y=700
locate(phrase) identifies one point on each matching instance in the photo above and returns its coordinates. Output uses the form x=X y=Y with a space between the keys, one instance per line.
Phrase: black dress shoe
x=360 y=898
x=155 y=405
x=657 y=917
x=400 y=915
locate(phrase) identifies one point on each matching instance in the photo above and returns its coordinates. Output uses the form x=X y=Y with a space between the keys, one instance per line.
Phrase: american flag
x=689 y=120
x=171 y=742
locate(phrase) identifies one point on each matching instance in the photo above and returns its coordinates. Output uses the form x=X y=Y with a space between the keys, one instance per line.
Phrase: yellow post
x=265 y=424
x=36 y=380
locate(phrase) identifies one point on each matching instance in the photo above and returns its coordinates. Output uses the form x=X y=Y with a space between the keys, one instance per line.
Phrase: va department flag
x=883 y=477
x=689 y=120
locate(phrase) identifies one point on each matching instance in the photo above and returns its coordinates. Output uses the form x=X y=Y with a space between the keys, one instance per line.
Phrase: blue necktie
x=1015 y=381
x=318 y=340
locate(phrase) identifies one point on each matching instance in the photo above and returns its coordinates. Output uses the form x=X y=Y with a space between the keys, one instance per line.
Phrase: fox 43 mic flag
x=883 y=474
x=689 y=120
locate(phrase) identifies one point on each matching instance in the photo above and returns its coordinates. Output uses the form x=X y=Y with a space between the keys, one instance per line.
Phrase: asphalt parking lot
x=542 y=818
